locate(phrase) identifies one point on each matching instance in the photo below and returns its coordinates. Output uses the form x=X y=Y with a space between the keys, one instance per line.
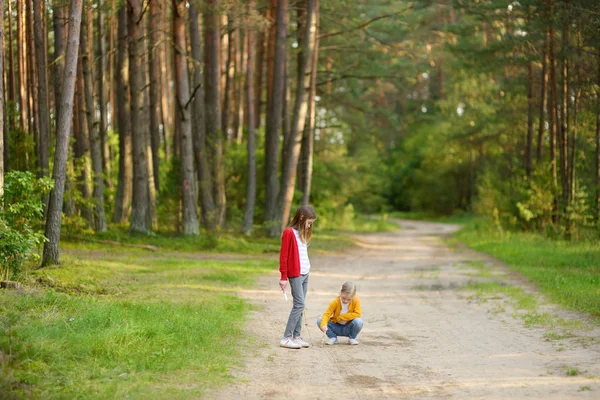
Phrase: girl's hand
x=324 y=329
x=283 y=284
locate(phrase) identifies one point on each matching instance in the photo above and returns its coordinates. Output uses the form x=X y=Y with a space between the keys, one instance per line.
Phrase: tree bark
x=543 y=102
x=290 y=163
x=564 y=116
x=43 y=113
x=124 y=186
x=213 y=107
x=597 y=169
x=52 y=231
x=260 y=68
x=140 y=221
x=229 y=76
x=276 y=95
x=530 y=111
x=207 y=202
x=248 y=222
x=82 y=140
x=307 y=151
x=87 y=52
x=553 y=118
x=182 y=85
x=102 y=75
x=22 y=68
x=2 y=125
x=154 y=62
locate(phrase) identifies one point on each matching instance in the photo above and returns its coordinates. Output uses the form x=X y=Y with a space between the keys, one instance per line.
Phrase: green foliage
x=21 y=210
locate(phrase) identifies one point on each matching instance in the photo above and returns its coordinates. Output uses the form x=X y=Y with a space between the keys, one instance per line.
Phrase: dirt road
x=424 y=336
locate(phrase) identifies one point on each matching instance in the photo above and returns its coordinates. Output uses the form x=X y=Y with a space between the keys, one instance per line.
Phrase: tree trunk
x=102 y=75
x=32 y=84
x=239 y=89
x=154 y=67
x=530 y=111
x=52 y=231
x=140 y=221
x=82 y=140
x=307 y=151
x=59 y=14
x=275 y=103
x=2 y=125
x=43 y=113
x=87 y=52
x=182 y=87
x=597 y=169
x=207 y=202
x=553 y=119
x=22 y=67
x=290 y=163
x=248 y=223
x=124 y=187
x=564 y=116
x=260 y=68
x=229 y=76
x=166 y=97
x=213 y=107
x=543 y=102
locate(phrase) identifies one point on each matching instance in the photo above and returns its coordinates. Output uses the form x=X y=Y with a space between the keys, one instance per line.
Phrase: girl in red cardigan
x=294 y=266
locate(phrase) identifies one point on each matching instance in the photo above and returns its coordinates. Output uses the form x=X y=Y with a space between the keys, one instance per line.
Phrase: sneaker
x=301 y=342
x=288 y=343
x=332 y=340
x=353 y=341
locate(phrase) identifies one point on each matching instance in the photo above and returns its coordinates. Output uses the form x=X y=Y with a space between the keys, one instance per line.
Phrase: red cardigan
x=289 y=257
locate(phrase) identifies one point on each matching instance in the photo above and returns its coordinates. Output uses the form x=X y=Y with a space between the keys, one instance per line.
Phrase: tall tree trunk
x=307 y=151
x=166 y=97
x=239 y=89
x=154 y=67
x=87 y=53
x=102 y=67
x=59 y=15
x=140 y=221
x=2 y=125
x=597 y=169
x=543 y=102
x=43 y=113
x=260 y=68
x=182 y=85
x=52 y=231
x=213 y=106
x=290 y=163
x=124 y=187
x=564 y=116
x=530 y=111
x=275 y=103
x=207 y=202
x=248 y=222
x=32 y=83
x=553 y=118
x=22 y=67
x=229 y=76
x=82 y=140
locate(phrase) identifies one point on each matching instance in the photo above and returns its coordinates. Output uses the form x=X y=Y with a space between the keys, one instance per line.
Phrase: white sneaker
x=353 y=341
x=288 y=343
x=301 y=342
x=333 y=340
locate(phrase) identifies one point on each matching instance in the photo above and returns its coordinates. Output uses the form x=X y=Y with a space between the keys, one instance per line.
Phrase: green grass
x=567 y=272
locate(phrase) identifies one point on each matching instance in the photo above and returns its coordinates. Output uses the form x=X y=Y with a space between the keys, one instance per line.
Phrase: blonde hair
x=348 y=288
x=303 y=214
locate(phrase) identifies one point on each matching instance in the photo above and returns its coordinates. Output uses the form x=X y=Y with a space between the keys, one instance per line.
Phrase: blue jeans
x=351 y=329
x=299 y=287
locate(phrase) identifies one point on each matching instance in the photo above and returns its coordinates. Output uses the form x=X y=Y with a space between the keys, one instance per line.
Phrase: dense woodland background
x=200 y=117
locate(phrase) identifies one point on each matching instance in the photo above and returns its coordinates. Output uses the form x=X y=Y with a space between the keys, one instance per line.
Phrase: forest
x=189 y=117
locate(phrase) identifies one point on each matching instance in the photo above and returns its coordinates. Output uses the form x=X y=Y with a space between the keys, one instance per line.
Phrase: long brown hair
x=303 y=214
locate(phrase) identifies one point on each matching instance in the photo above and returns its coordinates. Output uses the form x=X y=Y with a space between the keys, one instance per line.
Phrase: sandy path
x=423 y=337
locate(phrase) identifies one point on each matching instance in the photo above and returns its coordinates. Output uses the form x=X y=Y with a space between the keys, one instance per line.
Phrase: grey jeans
x=299 y=286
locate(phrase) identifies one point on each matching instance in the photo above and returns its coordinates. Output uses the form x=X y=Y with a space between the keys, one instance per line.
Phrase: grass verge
x=567 y=272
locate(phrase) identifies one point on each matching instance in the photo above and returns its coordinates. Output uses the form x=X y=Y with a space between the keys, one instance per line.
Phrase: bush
x=21 y=213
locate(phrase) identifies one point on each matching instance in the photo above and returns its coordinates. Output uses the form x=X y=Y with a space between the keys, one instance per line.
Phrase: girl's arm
x=328 y=314
x=284 y=254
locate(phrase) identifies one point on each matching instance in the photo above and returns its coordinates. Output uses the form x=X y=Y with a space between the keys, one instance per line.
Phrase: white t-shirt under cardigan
x=303 y=253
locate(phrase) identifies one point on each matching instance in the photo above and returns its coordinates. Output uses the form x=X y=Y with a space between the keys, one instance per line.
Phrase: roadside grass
x=117 y=325
x=567 y=272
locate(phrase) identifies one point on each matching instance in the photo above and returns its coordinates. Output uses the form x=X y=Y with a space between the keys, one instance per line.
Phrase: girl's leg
x=296 y=313
x=298 y=327
x=334 y=330
x=352 y=328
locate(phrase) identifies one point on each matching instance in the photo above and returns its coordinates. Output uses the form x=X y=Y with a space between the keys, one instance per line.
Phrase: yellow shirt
x=335 y=307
